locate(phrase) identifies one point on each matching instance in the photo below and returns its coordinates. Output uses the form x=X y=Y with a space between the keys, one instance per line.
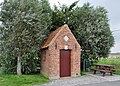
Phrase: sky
x=113 y=8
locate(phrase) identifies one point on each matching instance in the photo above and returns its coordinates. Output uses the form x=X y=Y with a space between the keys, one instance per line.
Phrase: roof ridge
x=56 y=35
x=53 y=36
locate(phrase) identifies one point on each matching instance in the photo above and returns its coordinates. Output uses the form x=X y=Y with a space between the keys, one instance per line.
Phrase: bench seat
x=103 y=68
x=94 y=69
x=103 y=71
x=106 y=71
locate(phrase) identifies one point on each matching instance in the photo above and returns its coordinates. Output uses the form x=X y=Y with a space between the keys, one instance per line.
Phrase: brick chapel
x=60 y=54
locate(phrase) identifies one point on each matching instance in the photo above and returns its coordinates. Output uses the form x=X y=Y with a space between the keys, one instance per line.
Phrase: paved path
x=107 y=76
x=74 y=81
x=112 y=83
x=86 y=80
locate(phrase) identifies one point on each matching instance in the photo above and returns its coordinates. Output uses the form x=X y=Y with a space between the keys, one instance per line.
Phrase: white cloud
x=116 y=47
x=1 y=0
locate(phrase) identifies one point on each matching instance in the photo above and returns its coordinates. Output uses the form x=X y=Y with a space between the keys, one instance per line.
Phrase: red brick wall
x=45 y=62
x=52 y=64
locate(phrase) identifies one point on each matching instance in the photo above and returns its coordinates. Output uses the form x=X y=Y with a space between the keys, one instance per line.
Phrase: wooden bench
x=106 y=71
x=103 y=69
x=95 y=70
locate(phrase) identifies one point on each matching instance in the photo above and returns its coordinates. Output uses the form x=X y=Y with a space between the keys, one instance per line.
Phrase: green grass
x=21 y=80
x=112 y=61
x=82 y=73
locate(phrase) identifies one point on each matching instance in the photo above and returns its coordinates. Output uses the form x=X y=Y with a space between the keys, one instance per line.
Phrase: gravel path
x=89 y=78
x=109 y=83
x=74 y=81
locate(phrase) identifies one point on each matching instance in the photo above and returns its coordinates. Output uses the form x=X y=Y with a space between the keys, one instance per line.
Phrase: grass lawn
x=112 y=61
x=21 y=80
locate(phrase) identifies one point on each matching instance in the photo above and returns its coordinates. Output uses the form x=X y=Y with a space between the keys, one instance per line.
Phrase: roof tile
x=51 y=37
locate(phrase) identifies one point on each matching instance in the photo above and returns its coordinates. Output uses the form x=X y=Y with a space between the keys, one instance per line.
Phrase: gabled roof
x=52 y=36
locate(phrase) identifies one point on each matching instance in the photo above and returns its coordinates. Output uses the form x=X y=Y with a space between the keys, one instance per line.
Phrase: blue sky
x=113 y=8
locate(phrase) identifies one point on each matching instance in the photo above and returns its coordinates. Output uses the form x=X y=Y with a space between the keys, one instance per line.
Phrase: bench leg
x=94 y=71
x=103 y=74
x=111 y=73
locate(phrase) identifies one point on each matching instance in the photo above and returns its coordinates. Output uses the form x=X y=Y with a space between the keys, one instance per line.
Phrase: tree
x=89 y=25
x=25 y=24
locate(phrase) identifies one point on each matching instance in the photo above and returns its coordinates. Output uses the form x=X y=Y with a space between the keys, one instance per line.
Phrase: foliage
x=23 y=80
x=24 y=27
x=89 y=25
x=27 y=23
x=112 y=61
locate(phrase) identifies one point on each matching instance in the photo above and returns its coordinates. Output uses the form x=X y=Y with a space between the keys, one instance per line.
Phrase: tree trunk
x=19 y=66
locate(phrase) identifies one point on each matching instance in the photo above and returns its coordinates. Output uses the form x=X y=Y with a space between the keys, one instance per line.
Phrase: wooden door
x=65 y=63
